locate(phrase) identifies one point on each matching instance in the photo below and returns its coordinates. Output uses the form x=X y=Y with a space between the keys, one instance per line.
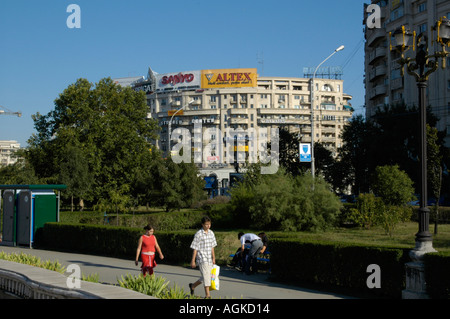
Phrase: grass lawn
x=403 y=236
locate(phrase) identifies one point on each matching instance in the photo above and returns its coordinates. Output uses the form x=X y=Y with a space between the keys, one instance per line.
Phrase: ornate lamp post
x=421 y=67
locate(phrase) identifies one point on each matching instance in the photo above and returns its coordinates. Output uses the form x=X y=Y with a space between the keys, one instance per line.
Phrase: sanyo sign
x=374 y=18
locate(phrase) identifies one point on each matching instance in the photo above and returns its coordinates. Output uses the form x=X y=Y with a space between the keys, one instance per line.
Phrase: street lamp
x=312 y=108
x=421 y=67
x=169 y=133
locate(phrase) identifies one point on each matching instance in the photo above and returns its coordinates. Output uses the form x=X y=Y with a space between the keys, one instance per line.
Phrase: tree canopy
x=98 y=141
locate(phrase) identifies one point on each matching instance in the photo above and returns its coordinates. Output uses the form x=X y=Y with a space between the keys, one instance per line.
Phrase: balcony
x=396 y=84
x=376 y=91
x=377 y=53
x=377 y=72
x=375 y=34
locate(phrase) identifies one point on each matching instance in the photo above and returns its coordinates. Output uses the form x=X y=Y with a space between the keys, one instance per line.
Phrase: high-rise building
x=238 y=99
x=383 y=80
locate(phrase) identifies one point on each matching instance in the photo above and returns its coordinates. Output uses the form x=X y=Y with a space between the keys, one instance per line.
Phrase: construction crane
x=5 y=111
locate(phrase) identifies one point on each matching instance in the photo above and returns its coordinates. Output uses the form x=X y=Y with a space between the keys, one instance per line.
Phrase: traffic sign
x=305 y=152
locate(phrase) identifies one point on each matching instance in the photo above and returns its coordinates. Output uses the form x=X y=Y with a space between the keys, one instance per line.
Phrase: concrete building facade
x=383 y=81
x=240 y=100
x=7 y=150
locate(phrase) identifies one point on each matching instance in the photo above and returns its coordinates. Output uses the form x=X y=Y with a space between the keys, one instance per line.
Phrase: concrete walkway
x=234 y=284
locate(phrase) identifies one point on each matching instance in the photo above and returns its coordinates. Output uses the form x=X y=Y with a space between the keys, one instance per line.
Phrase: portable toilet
x=26 y=208
x=9 y=221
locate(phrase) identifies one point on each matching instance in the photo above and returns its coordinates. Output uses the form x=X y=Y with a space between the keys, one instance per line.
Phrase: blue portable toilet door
x=8 y=217
x=24 y=218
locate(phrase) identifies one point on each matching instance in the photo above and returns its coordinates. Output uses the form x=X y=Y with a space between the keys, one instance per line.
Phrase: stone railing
x=28 y=282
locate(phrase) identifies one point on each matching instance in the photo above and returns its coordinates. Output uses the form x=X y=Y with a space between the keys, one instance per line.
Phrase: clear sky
x=40 y=56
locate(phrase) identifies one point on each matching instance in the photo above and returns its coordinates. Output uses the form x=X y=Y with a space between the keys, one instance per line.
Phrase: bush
x=171 y=221
x=437 y=275
x=366 y=209
x=122 y=242
x=337 y=264
x=281 y=202
x=371 y=210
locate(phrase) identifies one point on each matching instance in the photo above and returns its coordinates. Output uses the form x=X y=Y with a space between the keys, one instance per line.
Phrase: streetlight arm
x=180 y=109
x=335 y=51
x=169 y=129
x=312 y=109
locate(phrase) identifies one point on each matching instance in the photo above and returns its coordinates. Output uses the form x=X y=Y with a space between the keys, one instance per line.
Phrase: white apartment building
x=383 y=81
x=238 y=99
x=7 y=150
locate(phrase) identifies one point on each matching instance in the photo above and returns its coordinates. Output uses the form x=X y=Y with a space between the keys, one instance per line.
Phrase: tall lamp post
x=169 y=128
x=313 y=169
x=421 y=67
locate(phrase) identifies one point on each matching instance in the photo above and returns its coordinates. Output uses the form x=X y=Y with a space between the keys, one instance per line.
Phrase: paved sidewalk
x=234 y=284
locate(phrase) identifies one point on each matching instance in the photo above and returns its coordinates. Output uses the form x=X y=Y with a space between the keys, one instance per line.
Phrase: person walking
x=255 y=249
x=147 y=247
x=203 y=253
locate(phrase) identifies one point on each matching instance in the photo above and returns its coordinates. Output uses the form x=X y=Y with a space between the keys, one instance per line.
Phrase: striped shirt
x=203 y=243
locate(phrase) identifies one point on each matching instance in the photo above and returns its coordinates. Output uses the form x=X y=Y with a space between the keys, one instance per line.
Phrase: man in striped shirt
x=203 y=253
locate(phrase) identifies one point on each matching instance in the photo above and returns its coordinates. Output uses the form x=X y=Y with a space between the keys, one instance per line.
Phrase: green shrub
x=282 y=202
x=149 y=285
x=336 y=264
x=32 y=261
x=364 y=215
x=371 y=210
x=437 y=275
x=122 y=242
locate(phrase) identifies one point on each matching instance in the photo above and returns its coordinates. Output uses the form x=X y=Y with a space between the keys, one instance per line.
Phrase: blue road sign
x=305 y=152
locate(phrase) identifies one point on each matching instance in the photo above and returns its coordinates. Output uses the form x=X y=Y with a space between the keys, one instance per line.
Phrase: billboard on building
x=178 y=81
x=226 y=78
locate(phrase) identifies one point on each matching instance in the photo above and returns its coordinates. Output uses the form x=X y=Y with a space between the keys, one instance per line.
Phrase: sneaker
x=192 y=289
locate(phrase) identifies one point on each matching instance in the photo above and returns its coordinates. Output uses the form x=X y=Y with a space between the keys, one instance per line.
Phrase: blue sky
x=40 y=56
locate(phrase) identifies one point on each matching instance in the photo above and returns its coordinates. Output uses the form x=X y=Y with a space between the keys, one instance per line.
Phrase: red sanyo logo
x=176 y=79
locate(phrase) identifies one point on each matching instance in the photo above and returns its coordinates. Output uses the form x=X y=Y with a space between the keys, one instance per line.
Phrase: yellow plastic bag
x=215 y=283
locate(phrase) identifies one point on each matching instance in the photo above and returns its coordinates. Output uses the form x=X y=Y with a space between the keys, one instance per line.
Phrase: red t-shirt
x=148 y=243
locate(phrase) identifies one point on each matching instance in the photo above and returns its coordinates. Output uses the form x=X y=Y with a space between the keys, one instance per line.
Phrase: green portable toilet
x=33 y=206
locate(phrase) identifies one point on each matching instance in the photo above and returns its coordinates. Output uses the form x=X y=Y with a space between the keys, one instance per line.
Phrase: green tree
x=108 y=124
x=356 y=159
x=74 y=173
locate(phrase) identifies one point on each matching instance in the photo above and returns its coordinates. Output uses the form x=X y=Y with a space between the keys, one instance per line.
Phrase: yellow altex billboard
x=226 y=78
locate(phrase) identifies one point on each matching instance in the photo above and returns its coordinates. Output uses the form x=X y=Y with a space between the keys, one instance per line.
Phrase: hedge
x=296 y=261
x=338 y=264
x=161 y=221
x=121 y=242
x=437 y=275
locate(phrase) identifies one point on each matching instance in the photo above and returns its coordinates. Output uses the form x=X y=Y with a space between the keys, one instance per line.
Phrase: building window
x=422 y=28
x=422 y=7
